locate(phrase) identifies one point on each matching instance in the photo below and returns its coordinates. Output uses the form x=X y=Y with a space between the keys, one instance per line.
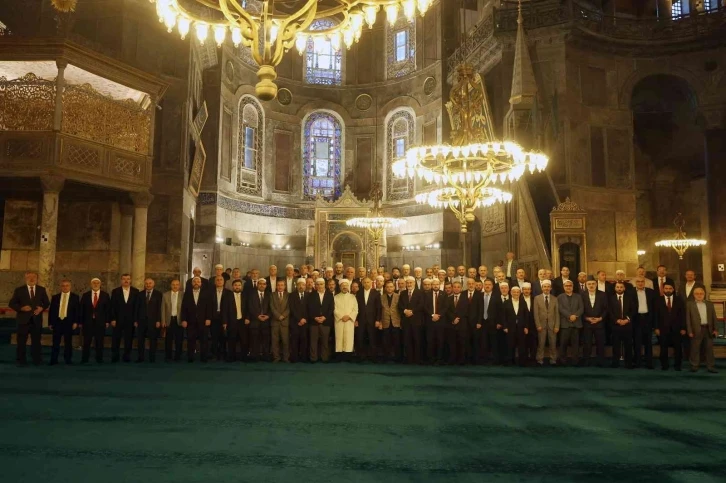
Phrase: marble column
x=59 y=87
x=126 y=240
x=52 y=186
x=142 y=200
x=716 y=200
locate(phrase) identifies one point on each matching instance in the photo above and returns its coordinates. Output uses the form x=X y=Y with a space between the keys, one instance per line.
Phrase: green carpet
x=357 y=423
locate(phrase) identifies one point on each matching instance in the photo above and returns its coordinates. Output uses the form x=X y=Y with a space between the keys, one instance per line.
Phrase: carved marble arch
x=250 y=142
x=400 y=131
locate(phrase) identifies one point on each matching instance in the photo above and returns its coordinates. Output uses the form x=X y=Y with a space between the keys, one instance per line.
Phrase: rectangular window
x=401 y=40
x=676 y=9
x=249 y=161
x=400 y=150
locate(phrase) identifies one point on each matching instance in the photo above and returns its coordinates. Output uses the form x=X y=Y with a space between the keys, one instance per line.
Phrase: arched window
x=399 y=137
x=322 y=155
x=400 y=48
x=249 y=146
x=323 y=64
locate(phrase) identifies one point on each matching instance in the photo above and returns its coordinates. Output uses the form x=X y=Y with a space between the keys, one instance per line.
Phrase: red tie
x=32 y=292
x=668 y=303
x=95 y=299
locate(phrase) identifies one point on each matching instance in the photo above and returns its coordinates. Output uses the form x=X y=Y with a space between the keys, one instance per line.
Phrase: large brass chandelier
x=465 y=170
x=680 y=243
x=271 y=27
x=376 y=223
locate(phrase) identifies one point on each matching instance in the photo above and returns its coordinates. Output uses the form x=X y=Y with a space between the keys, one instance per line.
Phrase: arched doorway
x=347 y=247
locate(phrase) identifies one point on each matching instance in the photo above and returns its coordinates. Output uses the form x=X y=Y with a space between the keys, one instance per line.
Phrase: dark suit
x=670 y=322
x=368 y=314
x=457 y=333
x=260 y=331
x=622 y=334
x=95 y=320
x=222 y=314
x=435 y=330
x=320 y=332
x=63 y=328
x=643 y=326
x=298 y=333
x=558 y=286
x=412 y=326
x=656 y=284
x=195 y=314
x=28 y=322
x=188 y=286
x=490 y=317
x=597 y=310
x=536 y=287
x=148 y=314
x=124 y=312
x=237 y=330
x=475 y=306
x=515 y=323
x=273 y=287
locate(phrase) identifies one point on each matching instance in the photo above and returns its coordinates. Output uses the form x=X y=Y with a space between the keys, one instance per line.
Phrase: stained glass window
x=323 y=137
x=400 y=48
x=249 y=146
x=323 y=64
x=399 y=133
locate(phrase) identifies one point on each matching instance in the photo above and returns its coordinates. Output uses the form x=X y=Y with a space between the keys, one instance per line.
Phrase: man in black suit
x=661 y=279
x=691 y=284
x=197 y=272
x=435 y=323
x=558 y=284
x=411 y=307
x=63 y=317
x=643 y=323
x=457 y=312
x=95 y=319
x=148 y=320
x=621 y=309
x=196 y=317
x=29 y=301
x=123 y=317
x=271 y=279
x=369 y=321
x=516 y=327
x=298 y=323
x=236 y=327
x=320 y=308
x=490 y=310
x=223 y=311
x=595 y=306
x=474 y=303
x=258 y=312
x=670 y=326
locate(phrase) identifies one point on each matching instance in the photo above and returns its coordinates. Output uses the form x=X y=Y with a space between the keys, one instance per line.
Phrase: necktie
x=469 y=296
x=301 y=297
x=668 y=304
x=32 y=292
x=486 y=306
x=660 y=286
x=620 y=302
x=64 y=306
x=436 y=295
x=456 y=300
x=95 y=299
x=280 y=296
x=148 y=297
x=547 y=302
x=582 y=287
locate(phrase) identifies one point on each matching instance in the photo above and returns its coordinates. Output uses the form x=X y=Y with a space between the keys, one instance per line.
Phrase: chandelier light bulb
x=183 y=27
x=236 y=36
x=348 y=37
x=370 y=12
x=170 y=21
x=202 y=32
x=392 y=14
x=274 y=29
x=423 y=6
x=409 y=9
x=335 y=41
x=356 y=20
x=220 y=33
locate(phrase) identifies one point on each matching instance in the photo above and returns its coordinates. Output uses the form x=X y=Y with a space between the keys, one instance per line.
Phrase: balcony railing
x=624 y=29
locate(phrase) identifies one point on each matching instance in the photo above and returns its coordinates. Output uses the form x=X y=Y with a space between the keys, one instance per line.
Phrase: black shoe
x=137 y=361
x=664 y=368
x=713 y=371
x=190 y=361
x=69 y=363
x=127 y=359
x=53 y=363
x=694 y=369
x=677 y=369
x=21 y=364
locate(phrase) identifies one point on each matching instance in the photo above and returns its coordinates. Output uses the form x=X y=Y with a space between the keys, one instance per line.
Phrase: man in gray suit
x=280 y=309
x=701 y=328
x=171 y=304
x=571 y=308
x=547 y=320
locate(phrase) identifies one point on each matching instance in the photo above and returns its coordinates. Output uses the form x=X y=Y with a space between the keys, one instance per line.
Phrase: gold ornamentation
x=26 y=104
x=91 y=115
x=127 y=166
x=23 y=149
x=569 y=206
x=80 y=156
x=64 y=6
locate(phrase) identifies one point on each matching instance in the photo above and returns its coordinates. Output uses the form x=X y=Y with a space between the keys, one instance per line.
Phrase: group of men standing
x=452 y=316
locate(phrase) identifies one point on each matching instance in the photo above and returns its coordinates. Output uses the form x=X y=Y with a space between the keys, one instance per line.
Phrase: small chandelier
x=271 y=27
x=464 y=170
x=680 y=243
x=376 y=224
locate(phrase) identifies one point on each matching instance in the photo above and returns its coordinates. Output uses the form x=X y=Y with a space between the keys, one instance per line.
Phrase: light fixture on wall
x=464 y=170
x=412 y=248
x=641 y=253
x=280 y=247
x=219 y=239
x=680 y=243
x=433 y=246
x=270 y=28
x=376 y=223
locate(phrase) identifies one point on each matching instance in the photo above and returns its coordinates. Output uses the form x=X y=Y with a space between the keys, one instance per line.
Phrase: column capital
x=52 y=183
x=126 y=209
x=141 y=199
x=61 y=63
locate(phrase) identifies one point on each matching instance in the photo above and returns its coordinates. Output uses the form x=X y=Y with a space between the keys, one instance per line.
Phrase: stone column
x=52 y=186
x=716 y=200
x=59 y=86
x=127 y=230
x=142 y=200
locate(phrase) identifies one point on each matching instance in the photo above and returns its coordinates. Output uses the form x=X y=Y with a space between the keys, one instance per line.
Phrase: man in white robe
x=346 y=312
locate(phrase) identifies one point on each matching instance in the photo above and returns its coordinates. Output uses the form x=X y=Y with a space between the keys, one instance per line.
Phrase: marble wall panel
x=626 y=231
x=84 y=225
x=601 y=239
x=20 y=226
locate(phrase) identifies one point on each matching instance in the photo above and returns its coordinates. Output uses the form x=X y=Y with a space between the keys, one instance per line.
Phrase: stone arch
x=626 y=89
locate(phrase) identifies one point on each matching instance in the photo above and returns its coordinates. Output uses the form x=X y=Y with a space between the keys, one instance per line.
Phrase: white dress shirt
x=592 y=298
x=238 y=304
x=366 y=294
x=174 y=300
x=126 y=292
x=689 y=287
x=642 y=302
x=195 y=294
x=63 y=309
x=219 y=299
